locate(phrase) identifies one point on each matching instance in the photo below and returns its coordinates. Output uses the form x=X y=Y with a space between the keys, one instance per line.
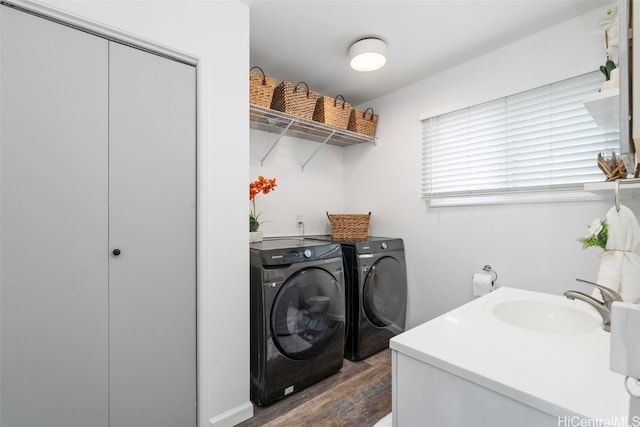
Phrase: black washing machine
x=297 y=315
x=376 y=293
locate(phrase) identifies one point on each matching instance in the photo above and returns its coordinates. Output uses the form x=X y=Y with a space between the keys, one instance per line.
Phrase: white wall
x=217 y=32
x=531 y=246
x=310 y=192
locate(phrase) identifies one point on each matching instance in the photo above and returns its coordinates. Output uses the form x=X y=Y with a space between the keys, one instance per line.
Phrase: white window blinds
x=542 y=140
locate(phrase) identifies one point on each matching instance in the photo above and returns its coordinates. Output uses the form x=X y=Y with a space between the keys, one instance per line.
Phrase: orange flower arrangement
x=261 y=185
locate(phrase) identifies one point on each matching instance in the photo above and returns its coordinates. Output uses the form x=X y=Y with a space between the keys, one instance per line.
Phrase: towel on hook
x=620 y=264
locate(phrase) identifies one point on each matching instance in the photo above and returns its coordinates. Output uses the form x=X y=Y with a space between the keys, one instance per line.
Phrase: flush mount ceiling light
x=368 y=54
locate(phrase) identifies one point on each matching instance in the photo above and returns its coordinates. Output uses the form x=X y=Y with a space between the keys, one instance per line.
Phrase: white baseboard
x=385 y=421
x=233 y=416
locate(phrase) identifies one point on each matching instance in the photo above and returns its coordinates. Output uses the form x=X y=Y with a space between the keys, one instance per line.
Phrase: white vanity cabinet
x=97 y=231
x=427 y=395
x=468 y=368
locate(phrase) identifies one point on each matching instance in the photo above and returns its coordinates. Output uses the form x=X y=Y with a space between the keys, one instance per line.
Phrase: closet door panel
x=152 y=192
x=54 y=225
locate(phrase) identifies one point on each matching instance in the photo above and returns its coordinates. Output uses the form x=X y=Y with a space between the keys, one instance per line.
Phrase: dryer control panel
x=370 y=247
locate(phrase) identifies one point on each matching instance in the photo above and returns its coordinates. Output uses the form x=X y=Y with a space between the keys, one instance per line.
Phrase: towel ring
x=617 y=195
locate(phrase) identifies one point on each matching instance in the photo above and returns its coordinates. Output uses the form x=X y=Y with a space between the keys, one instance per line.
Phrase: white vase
x=612 y=83
x=255 y=236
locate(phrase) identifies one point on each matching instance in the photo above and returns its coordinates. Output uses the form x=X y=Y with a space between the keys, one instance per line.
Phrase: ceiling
x=309 y=40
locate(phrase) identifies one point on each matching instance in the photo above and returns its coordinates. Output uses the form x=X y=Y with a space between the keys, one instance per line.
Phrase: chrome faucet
x=609 y=296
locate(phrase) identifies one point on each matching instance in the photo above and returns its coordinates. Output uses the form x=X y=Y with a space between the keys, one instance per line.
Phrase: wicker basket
x=260 y=88
x=363 y=123
x=352 y=227
x=331 y=112
x=294 y=99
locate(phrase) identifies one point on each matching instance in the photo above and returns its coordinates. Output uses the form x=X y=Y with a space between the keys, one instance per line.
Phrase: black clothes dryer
x=297 y=315
x=376 y=293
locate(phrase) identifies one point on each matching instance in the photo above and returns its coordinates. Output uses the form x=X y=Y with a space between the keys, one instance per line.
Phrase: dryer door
x=308 y=313
x=384 y=294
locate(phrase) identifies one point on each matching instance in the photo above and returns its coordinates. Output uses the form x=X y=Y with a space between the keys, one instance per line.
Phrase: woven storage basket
x=331 y=112
x=294 y=99
x=260 y=88
x=363 y=122
x=349 y=226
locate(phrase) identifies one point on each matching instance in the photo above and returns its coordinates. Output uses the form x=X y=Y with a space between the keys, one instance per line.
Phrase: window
x=540 y=141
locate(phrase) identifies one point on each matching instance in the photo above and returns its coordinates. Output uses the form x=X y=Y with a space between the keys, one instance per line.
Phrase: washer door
x=384 y=294
x=307 y=313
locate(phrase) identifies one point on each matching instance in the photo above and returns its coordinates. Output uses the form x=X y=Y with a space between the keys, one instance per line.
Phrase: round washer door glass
x=307 y=313
x=385 y=294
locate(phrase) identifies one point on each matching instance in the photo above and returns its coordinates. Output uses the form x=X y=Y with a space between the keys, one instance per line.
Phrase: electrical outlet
x=300 y=225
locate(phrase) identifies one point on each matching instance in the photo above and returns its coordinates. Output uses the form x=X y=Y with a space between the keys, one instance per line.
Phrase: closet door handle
x=116 y=252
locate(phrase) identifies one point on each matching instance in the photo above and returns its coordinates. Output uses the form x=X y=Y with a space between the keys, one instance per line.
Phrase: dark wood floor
x=359 y=395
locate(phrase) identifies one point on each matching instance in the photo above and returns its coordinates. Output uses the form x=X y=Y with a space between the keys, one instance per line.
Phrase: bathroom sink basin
x=546 y=317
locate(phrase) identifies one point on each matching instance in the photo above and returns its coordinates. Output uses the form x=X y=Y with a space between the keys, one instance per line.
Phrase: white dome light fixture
x=368 y=54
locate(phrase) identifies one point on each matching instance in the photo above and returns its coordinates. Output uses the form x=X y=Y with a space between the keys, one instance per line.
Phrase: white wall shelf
x=631 y=184
x=286 y=124
x=629 y=189
x=604 y=107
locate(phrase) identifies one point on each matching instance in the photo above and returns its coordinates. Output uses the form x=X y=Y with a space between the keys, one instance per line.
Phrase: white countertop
x=560 y=374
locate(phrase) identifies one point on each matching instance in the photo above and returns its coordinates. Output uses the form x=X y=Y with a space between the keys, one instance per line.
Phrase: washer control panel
x=283 y=251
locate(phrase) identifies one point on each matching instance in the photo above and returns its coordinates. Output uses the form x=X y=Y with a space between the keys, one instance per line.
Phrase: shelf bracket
x=318 y=149
x=275 y=143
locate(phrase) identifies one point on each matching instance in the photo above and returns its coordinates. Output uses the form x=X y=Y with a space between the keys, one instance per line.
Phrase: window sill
x=521 y=198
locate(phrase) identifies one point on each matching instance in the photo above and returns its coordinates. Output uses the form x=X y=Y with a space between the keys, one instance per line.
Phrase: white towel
x=620 y=265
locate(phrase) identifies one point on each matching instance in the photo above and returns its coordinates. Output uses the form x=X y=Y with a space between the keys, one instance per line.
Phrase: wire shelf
x=285 y=124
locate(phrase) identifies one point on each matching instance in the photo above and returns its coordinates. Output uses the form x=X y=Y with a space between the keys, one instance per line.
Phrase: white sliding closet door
x=53 y=228
x=152 y=283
